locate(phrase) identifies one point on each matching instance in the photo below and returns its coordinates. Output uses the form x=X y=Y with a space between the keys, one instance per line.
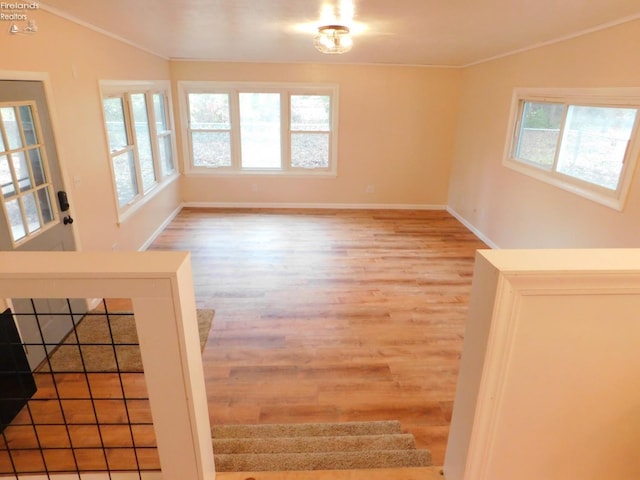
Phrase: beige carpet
x=99 y=351
x=315 y=446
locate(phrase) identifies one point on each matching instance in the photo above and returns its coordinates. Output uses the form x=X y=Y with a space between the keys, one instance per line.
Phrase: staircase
x=315 y=446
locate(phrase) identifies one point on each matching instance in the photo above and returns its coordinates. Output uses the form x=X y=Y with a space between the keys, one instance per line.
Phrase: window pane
x=116 y=129
x=45 y=205
x=211 y=149
x=209 y=111
x=6 y=180
x=539 y=132
x=309 y=150
x=260 y=130
x=11 y=128
x=595 y=142
x=37 y=167
x=15 y=220
x=31 y=209
x=22 y=171
x=166 y=154
x=125 y=173
x=143 y=140
x=27 y=125
x=310 y=112
x=159 y=112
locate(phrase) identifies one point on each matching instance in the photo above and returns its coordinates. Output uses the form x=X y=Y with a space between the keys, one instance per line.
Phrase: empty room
x=331 y=169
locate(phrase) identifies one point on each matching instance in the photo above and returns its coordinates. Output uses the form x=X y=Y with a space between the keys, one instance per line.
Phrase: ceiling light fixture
x=333 y=39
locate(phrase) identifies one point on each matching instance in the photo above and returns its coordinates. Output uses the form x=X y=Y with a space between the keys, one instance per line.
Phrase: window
x=24 y=173
x=258 y=128
x=140 y=141
x=583 y=142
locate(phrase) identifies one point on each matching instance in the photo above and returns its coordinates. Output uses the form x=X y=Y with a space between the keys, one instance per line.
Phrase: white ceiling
x=408 y=32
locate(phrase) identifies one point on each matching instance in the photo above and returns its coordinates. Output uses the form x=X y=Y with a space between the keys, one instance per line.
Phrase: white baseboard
x=336 y=206
x=473 y=229
x=160 y=229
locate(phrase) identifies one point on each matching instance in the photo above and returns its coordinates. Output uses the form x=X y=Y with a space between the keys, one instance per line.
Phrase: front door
x=32 y=217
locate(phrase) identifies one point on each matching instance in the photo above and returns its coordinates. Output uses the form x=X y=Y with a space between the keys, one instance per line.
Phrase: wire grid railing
x=87 y=408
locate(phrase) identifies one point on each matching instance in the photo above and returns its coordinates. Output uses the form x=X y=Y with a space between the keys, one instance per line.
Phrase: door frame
x=44 y=78
x=53 y=120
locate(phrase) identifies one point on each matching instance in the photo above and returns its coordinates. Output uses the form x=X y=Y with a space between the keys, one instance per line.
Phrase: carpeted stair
x=315 y=446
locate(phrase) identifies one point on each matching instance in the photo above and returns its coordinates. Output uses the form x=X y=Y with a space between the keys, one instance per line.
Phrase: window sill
x=266 y=173
x=128 y=211
x=593 y=194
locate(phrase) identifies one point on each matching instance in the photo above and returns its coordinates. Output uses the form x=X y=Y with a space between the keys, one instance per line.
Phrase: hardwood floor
x=321 y=316
x=331 y=315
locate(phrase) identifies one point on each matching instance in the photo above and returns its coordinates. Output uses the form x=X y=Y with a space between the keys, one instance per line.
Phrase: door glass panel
x=28 y=128
x=116 y=129
x=37 y=168
x=125 y=173
x=6 y=181
x=260 y=130
x=22 y=171
x=11 y=128
x=26 y=188
x=31 y=209
x=45 y=205
x=15 y=220
x=143 y=140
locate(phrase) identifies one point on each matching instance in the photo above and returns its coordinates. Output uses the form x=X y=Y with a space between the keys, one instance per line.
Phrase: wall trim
x=336 y=206
x=160 y=228
x=564 y=38
x=71 y=18
x=473 y=229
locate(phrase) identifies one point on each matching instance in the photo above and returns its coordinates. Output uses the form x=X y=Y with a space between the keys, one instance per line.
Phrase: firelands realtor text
x=16 y=10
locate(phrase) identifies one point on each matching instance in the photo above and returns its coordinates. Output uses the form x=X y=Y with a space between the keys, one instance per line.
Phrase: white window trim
x=611 y=97
x=119 y=88
x=285 y=89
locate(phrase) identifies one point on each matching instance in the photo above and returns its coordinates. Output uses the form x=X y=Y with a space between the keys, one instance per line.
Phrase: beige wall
x=396 y=133
x=75 y=59
x=513 y=210
x=421 y=136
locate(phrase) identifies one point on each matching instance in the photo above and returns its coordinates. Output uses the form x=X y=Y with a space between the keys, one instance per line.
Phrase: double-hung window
x=583 y=141
x=140 y=140
x=260 y=128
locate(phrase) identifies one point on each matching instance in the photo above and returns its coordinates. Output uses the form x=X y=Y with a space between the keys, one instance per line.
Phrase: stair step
x=345 y=443
x=409 y=473
x=322 y=461
x=307 y=429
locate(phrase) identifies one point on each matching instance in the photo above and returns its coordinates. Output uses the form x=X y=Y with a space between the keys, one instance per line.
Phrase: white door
x=32 y=217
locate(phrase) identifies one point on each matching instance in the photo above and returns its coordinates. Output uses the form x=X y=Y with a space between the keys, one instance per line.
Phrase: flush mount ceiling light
x=333 y=39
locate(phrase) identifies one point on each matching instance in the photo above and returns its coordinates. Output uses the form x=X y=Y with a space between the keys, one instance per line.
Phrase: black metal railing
x=84 y=407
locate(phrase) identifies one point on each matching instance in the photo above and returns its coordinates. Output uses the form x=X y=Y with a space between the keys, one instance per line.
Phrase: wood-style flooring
x=325 y=316
x=321 y=316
